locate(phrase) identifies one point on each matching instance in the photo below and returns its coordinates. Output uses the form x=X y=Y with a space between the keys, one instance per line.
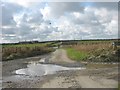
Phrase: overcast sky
x=44 y=21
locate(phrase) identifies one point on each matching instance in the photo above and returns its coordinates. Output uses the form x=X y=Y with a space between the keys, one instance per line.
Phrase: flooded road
x=25 y=72
x=43 y=69
x=35 y=70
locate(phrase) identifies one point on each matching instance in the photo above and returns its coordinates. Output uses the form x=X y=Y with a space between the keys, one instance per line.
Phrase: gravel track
x=88 y=78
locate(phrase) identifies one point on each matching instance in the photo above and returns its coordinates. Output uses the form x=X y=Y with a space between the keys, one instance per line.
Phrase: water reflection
x=43 y=69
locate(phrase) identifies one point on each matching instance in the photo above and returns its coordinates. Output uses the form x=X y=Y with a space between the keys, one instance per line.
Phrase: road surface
x=86 y=78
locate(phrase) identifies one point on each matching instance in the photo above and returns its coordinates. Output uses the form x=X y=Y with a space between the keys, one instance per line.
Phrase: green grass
x=76 y=55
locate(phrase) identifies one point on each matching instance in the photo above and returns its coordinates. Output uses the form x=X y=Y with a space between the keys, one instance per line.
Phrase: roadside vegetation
x=76 y=55
x=10 y=52
x=93 y=52
x=90 y=51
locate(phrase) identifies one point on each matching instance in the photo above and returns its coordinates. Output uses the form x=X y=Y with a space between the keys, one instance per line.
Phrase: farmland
x=93 y=51
x=88 y=50
x=69 y=57
x=10 y=52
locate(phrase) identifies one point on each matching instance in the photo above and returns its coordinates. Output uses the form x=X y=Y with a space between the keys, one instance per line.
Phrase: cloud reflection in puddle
x=43 y=69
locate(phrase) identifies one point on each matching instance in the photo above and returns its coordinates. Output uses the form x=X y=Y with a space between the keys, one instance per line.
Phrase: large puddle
x=43 y=69
x=33 y=71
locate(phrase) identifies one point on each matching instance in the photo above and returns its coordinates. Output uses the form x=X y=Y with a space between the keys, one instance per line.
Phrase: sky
x=46 y=21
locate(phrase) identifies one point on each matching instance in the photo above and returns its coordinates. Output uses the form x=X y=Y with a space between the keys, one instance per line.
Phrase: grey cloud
x=8 y=10
x=87 y=19
x=62 y=8
x=35 y=17
x=31 y=18
x=25 y=32
x=108 y=5
x=32 y=26
x=9 y=30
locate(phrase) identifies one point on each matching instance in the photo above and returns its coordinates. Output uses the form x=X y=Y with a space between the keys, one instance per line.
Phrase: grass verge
x=75 y=54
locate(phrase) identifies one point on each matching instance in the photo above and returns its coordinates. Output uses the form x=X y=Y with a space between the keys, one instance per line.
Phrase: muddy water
x=33 y=72
x=43 y=69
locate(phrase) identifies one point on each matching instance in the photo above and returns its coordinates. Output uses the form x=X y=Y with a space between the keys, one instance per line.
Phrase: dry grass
x=98 y=52
x=93 y=47
x=9 y=53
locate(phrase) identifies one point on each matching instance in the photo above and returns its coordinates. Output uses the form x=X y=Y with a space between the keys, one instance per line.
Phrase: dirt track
x=88 y=78
x=82 y=78
x=60 y=56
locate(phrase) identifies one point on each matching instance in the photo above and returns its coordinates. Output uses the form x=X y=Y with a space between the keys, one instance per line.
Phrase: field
x=94 y=51
x=10 y=52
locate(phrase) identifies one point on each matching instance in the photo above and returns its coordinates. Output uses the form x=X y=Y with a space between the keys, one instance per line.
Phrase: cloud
x=58 y=9
x=58 y=21
x=107 y=5
x=8 y=10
